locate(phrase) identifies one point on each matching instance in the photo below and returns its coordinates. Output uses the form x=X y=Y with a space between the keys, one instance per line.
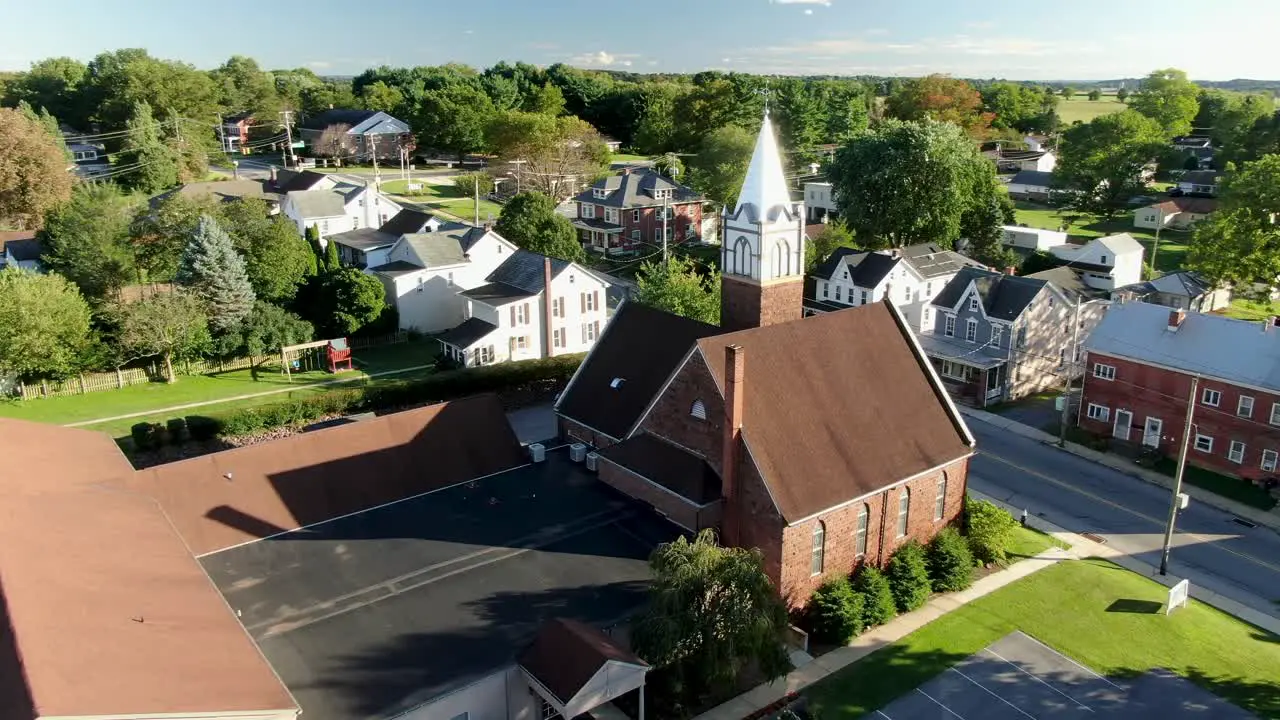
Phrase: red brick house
x=632 y=210
x=1140 y=363
x=825 y=442
x=235 y=132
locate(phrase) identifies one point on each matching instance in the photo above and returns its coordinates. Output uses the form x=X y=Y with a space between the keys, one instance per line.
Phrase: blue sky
x=1022 y=39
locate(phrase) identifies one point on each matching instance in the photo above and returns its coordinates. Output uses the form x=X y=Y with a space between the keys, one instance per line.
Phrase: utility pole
x=476 y=187
x=1070 y=370
x=222 y=135
x=1155 y=247
x=288 y=135
x=666 y=210
x=373 y=150
x=1177 y=478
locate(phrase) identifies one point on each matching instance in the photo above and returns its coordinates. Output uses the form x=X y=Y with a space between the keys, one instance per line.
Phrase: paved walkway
x=1266 y=518
x=902 y=625
x=248 y=396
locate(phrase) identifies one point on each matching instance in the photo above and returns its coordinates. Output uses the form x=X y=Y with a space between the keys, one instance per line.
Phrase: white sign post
x=1178 y=596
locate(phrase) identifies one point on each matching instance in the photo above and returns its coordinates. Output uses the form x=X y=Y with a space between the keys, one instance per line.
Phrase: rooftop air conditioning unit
x=577 y=452
x=592 y=460
x=538 y=452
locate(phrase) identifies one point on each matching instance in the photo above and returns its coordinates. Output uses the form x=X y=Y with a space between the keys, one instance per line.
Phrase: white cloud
x=808 y=11
x=603 y=59
x=319 y=64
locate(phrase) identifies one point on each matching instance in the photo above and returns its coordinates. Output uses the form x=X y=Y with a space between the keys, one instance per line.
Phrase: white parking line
x=935 y=702
x=1089 y=670
x=1038 y=679
x=985 y=690
x=881 y=714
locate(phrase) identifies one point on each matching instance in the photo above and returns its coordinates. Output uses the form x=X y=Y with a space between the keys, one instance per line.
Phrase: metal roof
x=1231 y=350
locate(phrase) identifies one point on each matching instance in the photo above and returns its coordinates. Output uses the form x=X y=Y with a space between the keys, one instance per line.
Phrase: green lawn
x=1254 y=310
x=1169 y=257
x=628 y=158
x=1083 y=109
x=205 y=388
x=1228 y=487
x=1027 y=543
x=1066 y=607
x=445 y=198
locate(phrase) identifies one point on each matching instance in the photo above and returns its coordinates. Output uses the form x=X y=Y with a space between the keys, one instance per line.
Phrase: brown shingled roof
x=103 y=610
x=566 y=654
x=315 y=476
x=837 y=406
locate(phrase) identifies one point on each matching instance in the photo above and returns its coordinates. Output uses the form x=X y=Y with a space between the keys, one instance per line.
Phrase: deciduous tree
x=381 y=96
x=44 y=325
x=677 y=287
x=33 y=171
x=340 y=302
x=86 y=240
x=720 y=166
x=1101 y=162
x=276 y=258
x=942 y=98
x=555 y=153
x=155 y=164
x=531 y=222
x=910 y=182
x=1169 y=98
x=712 y=612
x=171 y=325
x=57 y=85
x=833 y=235
x=1095 y=94
x=336 y=142
x=242 y=86
x=1240 y=243
x=453 y=119
x=267 y=329
x=215 y=273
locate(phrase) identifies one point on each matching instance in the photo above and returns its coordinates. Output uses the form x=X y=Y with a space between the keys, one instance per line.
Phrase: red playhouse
x=339 y=354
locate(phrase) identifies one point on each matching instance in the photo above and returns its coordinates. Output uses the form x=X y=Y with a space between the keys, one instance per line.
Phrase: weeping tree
x=712 y=612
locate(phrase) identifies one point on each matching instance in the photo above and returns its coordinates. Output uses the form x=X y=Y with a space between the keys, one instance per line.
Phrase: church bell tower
x=762 y=245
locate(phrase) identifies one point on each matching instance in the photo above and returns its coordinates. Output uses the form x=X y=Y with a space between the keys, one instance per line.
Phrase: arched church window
x=742 y=256
x=782 y=258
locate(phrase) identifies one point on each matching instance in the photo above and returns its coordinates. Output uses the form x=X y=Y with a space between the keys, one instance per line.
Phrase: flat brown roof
x=235 y=496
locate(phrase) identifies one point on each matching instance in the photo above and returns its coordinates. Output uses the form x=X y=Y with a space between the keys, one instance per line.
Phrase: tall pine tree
x=213 y=270
x=155 y=167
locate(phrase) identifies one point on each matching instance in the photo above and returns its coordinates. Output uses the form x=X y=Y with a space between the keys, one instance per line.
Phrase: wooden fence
x=96 y=382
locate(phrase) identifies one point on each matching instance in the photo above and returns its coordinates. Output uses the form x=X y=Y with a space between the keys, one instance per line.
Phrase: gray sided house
x=1000 y=337
x=367 y=132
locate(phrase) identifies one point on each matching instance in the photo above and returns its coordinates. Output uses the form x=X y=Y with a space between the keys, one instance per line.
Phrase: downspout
x=884 y=518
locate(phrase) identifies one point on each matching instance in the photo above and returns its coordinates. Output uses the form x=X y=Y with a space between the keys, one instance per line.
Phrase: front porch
x=974 y=375
x=600 y=237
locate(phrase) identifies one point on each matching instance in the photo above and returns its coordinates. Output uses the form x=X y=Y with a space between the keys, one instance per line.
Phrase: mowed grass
x=1253 y=310
x=1066 y=607
x=208 y=388
x=628 y=158
x=1083 y=109
x=1027 y=543
x=445 y=198
x=1169 y=257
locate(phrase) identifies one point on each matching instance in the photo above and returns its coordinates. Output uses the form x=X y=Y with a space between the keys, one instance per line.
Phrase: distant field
x=1083 y=109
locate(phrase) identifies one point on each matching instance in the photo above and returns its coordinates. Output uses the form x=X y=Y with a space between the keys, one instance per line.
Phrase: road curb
x=1259 y=517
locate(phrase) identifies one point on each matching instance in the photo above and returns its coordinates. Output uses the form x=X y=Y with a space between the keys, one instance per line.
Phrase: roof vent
x=616 y=383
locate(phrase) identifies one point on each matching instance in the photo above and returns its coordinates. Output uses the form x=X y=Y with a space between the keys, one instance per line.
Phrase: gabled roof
x=931 y=260
x=668 y=465
x=318 y=203
x=824 y=427
x=23 y=244
x=764 y=189
x=222 y=191
x=395 y=268
x=1038 y=178
x=1004 y=297
x=471 y=331
x=436 y=249
x=1212 y=345
x=1186 y=283
x=636 y=188
x=1197 y=205
x=497 y=293
x=1120 y=244
x=1067 y=279
x=641 y=347
x=566 y=654
x=866 y=269
x=103 y=610
x=409 y=221
x=361 y=121
x=288 y=181
x=1201 y=177
x=311 y=477
x=524 y=270
x=363 y=239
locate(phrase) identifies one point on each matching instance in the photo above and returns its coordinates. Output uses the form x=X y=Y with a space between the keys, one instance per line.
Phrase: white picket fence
x=97 y=382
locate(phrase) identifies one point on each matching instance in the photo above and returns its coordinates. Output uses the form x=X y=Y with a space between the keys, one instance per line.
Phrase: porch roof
x=597 y=225
x=965 y=353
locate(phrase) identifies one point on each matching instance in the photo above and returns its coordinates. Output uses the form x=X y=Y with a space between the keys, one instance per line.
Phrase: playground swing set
x=332 y=355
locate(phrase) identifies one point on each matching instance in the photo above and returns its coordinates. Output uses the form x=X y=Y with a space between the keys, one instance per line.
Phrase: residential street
x=1210 y=548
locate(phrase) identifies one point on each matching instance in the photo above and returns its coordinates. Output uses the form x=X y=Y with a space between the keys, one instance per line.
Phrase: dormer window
x=599 y=193
x=662 y=193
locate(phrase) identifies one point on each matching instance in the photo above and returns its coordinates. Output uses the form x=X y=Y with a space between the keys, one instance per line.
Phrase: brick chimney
x=1175 y=319
x=734 y=360
x=546 y=307
x=1011 y=270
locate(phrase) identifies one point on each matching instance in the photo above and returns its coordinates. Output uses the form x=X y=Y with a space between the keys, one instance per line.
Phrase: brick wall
x=679 y=510
x=839 y=556
x=670 y=417
x=577 y=432
x=757 y=520
x=746 y=304
x=1152 y=392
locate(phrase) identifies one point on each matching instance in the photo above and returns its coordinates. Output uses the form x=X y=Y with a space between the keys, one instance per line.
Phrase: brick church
x=825 y=442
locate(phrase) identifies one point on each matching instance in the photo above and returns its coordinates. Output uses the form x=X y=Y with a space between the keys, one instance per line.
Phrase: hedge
x=950 y=562
x=909 y=577
x=432 y=388
x=835 y=612
x=990 y=530
x=878 y=607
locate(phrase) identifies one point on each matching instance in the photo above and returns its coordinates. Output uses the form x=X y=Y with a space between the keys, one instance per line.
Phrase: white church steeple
x=765 y=187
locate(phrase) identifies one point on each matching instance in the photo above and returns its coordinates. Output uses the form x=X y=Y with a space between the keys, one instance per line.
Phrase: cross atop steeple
x=765 y=92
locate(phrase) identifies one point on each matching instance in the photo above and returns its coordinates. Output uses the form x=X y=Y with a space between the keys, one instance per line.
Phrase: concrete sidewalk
x=902 y=625
x=1270 y=519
